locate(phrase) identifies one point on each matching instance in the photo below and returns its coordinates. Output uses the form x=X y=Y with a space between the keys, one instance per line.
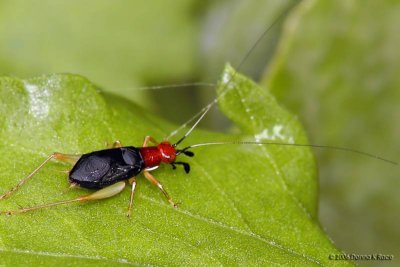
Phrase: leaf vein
x=278 y=171
x=66 y=255
x=270 y=242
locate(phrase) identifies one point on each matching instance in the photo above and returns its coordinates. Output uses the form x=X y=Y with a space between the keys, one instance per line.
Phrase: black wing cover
x=99 y=169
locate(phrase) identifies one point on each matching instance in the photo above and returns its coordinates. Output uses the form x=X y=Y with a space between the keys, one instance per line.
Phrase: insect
x=108 y=170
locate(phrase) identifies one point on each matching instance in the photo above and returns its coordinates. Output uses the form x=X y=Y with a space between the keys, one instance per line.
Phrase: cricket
x=125 y=140
x=110 y=170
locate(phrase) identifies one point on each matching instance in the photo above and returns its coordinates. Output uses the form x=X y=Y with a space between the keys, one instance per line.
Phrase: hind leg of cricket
x=59 y=156
x=132 y=181
x=115 y=144
x=106 y=192
x=155 y=182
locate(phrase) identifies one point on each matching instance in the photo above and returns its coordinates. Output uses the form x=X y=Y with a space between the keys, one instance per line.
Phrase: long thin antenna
x=177 y=85
x=194 y=126
x=238 y=68
x=293 y=144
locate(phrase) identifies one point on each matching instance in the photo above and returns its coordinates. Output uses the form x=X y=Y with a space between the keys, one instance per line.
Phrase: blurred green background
x=335 y=64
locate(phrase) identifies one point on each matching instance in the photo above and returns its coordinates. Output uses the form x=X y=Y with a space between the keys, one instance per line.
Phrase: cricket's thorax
x=155 y=155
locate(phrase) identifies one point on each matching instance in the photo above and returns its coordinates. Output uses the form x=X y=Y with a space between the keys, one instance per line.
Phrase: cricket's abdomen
x=101 y=168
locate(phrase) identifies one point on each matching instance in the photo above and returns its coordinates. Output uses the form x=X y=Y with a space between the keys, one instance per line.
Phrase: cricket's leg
x=132 y=181
x=106 y=192
x=115 y=144
x=155 y=182
x=59 y=156
x=148 y=139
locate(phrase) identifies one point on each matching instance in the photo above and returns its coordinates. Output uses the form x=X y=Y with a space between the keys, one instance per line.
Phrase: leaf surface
x=250 y=205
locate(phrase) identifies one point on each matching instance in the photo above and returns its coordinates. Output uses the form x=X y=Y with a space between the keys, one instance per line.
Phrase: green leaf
x=337 y=67
x=248 y=205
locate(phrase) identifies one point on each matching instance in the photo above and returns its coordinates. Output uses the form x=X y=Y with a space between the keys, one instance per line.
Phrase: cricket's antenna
x=176 y=85
x=238 y=68
x=194 y=126
x=293 y=144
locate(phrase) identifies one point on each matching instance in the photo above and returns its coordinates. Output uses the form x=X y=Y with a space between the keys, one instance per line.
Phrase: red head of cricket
x=153 y=156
